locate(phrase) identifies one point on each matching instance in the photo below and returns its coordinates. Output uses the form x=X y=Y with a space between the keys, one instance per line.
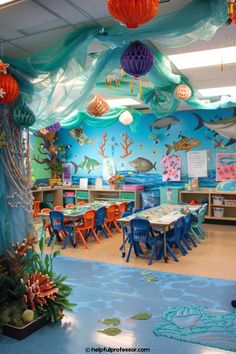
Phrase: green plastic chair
x=196 y=223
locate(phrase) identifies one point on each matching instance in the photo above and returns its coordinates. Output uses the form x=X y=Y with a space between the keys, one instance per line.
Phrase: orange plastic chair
x=111 y=216
x=58 y=207
x=69 y=206
x=87 y=226
x=121 y=209
x=46 y=225
x=81 y=203
x=36 y=208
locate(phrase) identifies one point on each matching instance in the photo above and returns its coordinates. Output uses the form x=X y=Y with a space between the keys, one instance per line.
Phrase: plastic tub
x=218 y=212
x=230 y=202
x=218 y=200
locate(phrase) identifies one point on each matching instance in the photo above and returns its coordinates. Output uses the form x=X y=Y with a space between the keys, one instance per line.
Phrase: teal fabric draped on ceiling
x=59 y=81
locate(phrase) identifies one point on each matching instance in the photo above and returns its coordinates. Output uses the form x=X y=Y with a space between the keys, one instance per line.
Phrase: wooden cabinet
x=228 y=207
x=73 y=194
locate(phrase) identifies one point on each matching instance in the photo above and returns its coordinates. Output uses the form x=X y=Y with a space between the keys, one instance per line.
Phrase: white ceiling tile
x=45 y=27
x=6 y=33
x=9 y=50
x=23 y=15
x=65 y=10
x=38 y=42
x=95 y=8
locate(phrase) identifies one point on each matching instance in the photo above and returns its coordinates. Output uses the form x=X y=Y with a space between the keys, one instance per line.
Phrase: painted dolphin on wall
x=224 y=127
x=164 y=122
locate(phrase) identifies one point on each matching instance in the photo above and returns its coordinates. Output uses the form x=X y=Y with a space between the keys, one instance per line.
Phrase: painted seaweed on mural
x=137 y=155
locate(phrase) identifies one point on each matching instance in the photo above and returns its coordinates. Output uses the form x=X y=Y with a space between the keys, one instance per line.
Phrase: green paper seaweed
x=110 y=321
x=111 y=331
x=145 y=272
x=142 y=316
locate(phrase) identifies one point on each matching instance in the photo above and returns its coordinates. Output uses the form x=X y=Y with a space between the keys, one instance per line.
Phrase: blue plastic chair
x=130 y=207
x=141 y=232
x=196 y=223
x=99 y=221
x=173 y=237
x=186 y=236
x=136 y=210
x=57 y=225
x=147 y=207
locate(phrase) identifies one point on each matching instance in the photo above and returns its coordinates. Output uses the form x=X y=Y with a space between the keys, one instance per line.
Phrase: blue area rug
x=196 y=324
x=102 y=290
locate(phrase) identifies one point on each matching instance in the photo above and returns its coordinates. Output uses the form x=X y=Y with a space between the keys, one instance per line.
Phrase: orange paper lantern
x=182 y=92
x=9 y=89
x=133 y=12
x=98 y=106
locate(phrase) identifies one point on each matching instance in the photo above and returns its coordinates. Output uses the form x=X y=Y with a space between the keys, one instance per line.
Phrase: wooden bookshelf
x=207 y=194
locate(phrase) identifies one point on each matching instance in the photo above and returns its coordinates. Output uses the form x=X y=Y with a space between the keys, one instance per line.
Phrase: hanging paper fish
x=184 y=143
x=2 y=139
x=79 y=135
x=88 y=164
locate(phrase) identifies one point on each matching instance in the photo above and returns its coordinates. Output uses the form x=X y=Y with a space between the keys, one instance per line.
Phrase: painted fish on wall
x=79 y=135
x=165 y=122
x=184 y=143
x=142 y=165
x=88 y=164
x=223 y=127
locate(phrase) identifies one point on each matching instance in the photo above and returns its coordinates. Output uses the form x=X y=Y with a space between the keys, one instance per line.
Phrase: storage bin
x=69 y=200
x=127 y=195
x=48 y=197
x=230 y=202
x=170 y=195
x=218 y=199
x=218 y=212
x=82 y=195
x=69 y=193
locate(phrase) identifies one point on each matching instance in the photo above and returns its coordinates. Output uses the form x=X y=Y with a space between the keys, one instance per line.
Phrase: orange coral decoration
x=126 y=145
x=133 y=12
x=102 y=146
x=39 y=288
x=98 y=106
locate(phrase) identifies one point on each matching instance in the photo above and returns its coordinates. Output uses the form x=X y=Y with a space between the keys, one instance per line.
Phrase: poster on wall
x=226 y=167
x=108 y=168
x=171 y=168
x=197 y=163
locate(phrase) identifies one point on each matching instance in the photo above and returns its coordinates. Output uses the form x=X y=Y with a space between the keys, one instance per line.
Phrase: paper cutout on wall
x=171 y=168
x=225 y=167
x=108 y=168
x=197 y=163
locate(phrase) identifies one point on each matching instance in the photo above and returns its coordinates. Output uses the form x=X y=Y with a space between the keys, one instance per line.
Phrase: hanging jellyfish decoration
x=231 y=12
x=9 y=89
x=133 y=12
x=137 y=60
x=23 y=116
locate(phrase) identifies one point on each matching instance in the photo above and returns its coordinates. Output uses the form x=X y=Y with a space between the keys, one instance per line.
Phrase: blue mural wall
x=137 y=156
x=148 y=146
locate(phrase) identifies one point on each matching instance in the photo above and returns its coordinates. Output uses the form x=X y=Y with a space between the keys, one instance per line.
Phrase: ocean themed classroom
x=117 y=176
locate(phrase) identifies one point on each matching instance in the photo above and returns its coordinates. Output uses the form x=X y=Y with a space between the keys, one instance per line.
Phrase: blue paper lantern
x=137 y=59
x=23 y=116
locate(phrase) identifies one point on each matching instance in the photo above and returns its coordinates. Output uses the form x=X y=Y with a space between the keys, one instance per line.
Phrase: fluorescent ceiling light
x=204 y=58
x=118 y=102
x=218 y=91
x=6 y=3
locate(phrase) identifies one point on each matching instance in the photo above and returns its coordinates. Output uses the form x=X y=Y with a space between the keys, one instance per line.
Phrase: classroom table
x=76 y=212
x=161 y=217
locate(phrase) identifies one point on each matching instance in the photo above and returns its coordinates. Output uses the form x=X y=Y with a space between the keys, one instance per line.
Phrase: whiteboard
x=197 y=163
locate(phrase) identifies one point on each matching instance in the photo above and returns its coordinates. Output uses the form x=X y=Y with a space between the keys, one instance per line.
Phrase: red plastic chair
x=111 y=216
x=81 y=203
x=122 y=207
x=87 y=226
x=68 y=206
x=46 y=225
